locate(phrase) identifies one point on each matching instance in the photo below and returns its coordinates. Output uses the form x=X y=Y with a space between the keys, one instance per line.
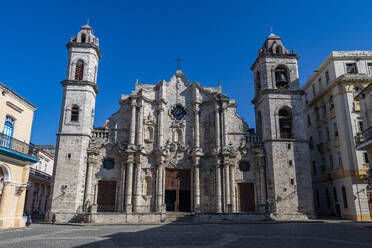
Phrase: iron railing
x=368 y=133
x=362 y=137
x=41 y=174
x=254 y=141
x=18 y=146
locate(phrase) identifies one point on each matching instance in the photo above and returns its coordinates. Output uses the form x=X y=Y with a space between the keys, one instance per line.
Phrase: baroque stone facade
x=172 y=146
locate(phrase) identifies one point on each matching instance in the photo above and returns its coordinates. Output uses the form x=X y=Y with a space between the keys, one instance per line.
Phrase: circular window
x=178 y=112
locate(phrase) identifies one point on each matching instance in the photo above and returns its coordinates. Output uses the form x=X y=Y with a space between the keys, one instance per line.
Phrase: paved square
x=208 y=235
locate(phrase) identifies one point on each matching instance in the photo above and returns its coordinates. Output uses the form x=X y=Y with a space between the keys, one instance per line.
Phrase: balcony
x=318 y=124
x=254 y=141
x=362 y=173
x=40 y=174
x=100 y=133
x=332 y=112
x=328 y=145
x=364 y=140
x=337 y=172
x=336 y=142
x=359 y=138
x=368 y=133
x=19 y=152
x=320 y=148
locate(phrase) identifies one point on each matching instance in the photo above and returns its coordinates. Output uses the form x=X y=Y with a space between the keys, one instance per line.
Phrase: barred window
x=79 y=70
x=75 y=113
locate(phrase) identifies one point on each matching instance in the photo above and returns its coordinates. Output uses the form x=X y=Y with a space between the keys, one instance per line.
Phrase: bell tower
x=280 y=121
x=76 y=123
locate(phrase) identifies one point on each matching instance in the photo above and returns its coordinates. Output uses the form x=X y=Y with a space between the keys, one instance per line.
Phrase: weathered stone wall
x=74 y=136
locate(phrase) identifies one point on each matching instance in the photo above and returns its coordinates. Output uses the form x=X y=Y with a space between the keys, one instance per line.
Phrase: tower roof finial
x=88 y=21
x=178 y=63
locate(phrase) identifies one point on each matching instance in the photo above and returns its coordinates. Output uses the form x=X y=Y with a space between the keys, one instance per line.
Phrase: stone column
x=160 y=125
x=140 y=125
x=232 y=187
x=196 y=183
x=8 y=202
x=226 y=176
x=224 y=124
x=128 y=194
x=133 y=123
x=88 y=185
x=262 y=181
x=159 y=188
x=137 y=187
x=196 y=126
x=217 y=126
x=95 y=197
x=122 y=188
x=218 y=188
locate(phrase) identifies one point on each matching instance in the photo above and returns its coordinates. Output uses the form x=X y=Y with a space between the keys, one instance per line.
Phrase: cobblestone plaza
x=310 y=234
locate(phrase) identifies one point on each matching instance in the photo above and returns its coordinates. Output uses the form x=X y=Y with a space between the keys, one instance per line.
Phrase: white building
x=334 y=123
x=364 y=141
x=38 y=194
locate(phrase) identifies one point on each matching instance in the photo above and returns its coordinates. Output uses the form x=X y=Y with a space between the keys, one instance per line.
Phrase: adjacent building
x=333 y=121
x=364 y=139
x=38 y=192
x=16 y=155
x=178 y=146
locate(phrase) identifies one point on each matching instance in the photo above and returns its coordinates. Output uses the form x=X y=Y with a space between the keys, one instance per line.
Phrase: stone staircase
x=79 y=218
x=172 y=217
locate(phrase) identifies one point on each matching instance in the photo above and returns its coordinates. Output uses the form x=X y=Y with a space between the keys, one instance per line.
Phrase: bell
x=281 y=78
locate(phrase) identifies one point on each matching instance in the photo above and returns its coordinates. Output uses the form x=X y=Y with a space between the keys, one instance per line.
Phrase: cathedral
x=177 y=146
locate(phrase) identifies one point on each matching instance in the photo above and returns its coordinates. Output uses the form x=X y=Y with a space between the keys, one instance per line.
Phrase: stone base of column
x=128 y=208
x=93 y=208
x=138 y=209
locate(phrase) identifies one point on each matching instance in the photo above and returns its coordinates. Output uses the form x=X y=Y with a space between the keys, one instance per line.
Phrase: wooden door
x=246 y=197
x=177 y=190
x=106 y=196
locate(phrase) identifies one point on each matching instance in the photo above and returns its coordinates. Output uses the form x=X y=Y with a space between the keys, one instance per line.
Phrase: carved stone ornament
x=149 y=120
x=177 y=155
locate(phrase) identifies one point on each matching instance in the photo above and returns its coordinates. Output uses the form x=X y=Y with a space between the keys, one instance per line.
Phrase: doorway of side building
x=246 y=202
x=178 y=190
x=369 y=197
x=106 y=196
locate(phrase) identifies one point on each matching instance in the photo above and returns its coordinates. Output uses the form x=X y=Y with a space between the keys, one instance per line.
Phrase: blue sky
x=217 y=40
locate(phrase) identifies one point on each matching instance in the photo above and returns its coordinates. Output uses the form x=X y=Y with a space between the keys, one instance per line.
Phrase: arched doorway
x=4 y=177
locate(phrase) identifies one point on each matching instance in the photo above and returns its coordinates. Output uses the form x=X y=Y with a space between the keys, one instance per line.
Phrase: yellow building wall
x=23 y=119
x=14 y=190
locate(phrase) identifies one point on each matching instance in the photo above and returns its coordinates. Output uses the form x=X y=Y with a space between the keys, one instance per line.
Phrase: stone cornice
x=337 y=55
x=343 y=79
x=73 y=134
x=6 y=90
x=276 y=56
x=364 y=92
x=80 y=83
x=277 y=91
x=285 y=140
x=85 y=45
